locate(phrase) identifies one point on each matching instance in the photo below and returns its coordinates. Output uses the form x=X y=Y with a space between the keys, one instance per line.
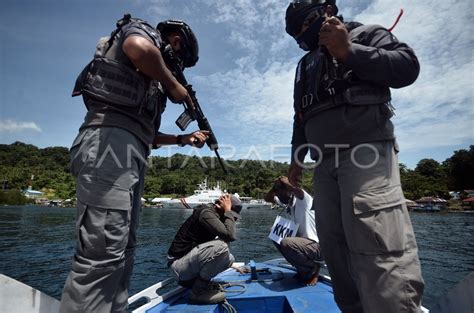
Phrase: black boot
x=203 y=292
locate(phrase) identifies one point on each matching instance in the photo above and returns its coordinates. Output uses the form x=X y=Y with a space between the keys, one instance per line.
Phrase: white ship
x=204 y=194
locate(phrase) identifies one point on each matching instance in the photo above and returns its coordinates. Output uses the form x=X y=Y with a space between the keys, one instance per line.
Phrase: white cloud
x=256 y=89
x=258 y=104
x=258 y=92
x=262 y=23
x=159 y=7
x=438 y=109
x=11 y=126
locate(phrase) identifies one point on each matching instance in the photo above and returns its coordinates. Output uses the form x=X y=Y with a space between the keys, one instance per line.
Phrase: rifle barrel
x=221 y=162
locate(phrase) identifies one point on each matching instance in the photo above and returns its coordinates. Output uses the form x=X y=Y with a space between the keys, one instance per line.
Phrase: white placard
x=282 y=228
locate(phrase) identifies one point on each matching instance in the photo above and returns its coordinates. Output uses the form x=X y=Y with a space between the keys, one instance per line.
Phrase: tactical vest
x=321 y=83
x=112 y=78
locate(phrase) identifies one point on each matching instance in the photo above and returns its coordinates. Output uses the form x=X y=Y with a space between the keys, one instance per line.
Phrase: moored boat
x=202 y=195
x=250 y=204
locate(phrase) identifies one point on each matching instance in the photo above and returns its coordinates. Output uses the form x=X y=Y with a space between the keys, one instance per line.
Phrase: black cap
x=236 y=205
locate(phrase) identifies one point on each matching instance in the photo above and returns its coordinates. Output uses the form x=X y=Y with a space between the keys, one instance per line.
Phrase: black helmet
x=190 y=53
x=294 y=22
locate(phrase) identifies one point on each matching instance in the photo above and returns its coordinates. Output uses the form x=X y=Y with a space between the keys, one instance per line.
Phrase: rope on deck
x=228 y=307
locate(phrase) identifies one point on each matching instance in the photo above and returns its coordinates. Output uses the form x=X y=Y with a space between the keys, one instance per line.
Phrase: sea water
x=37 y=243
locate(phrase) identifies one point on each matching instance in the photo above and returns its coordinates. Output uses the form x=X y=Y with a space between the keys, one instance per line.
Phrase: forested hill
x=179 y=174
x=175 y=176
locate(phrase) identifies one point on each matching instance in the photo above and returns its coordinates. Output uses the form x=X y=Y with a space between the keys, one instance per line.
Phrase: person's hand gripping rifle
x=190 y=113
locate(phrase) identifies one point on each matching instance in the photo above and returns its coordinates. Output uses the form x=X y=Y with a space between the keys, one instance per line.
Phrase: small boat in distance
x=251 y=204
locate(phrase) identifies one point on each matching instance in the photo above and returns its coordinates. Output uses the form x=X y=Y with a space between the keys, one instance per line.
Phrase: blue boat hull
x=274 y=290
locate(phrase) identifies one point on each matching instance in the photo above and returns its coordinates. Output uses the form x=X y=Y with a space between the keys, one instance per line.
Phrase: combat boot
x=203 y=292
x=215 y=285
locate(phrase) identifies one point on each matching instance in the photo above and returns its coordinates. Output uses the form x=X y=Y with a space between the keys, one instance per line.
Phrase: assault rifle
x=190 y=114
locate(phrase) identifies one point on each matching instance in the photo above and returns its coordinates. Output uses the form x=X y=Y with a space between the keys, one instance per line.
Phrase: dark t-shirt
x=203 y=225
x=143 y=125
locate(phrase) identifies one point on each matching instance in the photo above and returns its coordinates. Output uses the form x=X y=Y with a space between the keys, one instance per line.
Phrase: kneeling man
x=301 y=251
x=200 y=249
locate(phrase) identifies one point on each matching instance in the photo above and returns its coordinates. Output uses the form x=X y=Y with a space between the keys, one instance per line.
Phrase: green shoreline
x=24 y=166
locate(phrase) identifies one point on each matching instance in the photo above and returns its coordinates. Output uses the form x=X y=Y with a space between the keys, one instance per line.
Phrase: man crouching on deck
x=301 y=251
x=200 y=249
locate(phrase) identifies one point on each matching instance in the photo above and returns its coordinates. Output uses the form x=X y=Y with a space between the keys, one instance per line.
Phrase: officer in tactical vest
x=124 y=88
x=342 y=116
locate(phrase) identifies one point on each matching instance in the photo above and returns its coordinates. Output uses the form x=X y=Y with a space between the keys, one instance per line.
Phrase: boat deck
x=274 y=290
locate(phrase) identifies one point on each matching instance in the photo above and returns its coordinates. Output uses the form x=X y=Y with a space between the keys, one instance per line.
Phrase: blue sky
x=245 y=73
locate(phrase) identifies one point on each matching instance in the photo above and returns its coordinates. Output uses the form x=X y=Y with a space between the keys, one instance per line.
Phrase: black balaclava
x=309 y=39
x=297 y=12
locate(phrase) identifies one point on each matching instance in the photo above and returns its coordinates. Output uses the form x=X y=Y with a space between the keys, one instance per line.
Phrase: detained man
x=200 y=249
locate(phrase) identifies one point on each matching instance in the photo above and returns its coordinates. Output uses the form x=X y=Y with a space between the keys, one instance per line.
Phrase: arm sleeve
x=224 y=230
x=135 y=29
x=376 y=55
x=298 y=139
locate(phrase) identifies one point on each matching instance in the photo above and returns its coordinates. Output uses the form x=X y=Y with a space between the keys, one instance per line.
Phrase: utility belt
x=356 y=95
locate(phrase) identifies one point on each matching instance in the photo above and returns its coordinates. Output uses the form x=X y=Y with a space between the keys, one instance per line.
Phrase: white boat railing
x=151 y=296
x=16 y=296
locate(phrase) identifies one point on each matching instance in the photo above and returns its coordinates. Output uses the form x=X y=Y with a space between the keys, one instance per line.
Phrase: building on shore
x=412 y=205
x=431 y=204
x=469 y=202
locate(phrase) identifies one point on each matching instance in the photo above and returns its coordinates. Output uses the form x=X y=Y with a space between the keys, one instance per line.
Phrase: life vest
x=112 y=78
x=321 y=83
